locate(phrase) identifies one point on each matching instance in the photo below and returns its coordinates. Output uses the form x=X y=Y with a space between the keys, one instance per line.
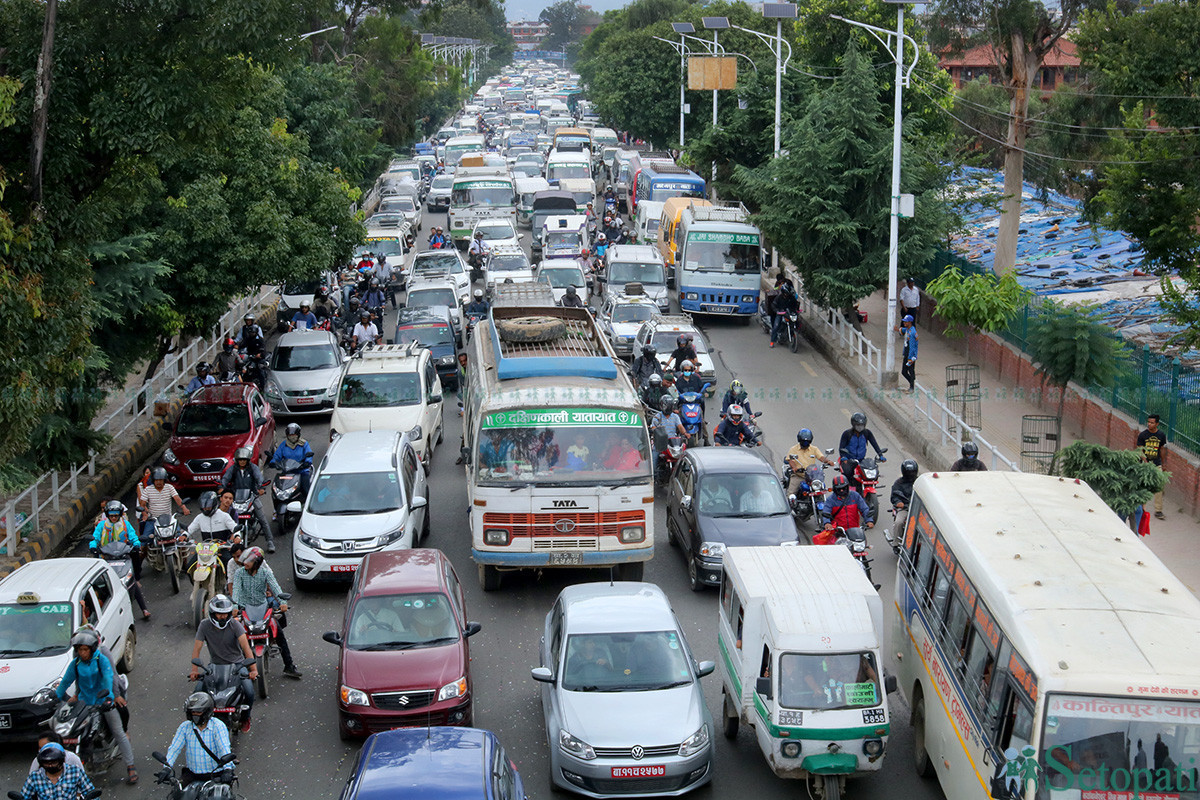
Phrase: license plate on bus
x=5 y=721
x=722 y=309
x=566 y=559
x=647 y=771
x=343 y=568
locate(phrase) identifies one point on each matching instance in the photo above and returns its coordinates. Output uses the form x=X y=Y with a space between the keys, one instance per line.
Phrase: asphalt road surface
x=293 y=749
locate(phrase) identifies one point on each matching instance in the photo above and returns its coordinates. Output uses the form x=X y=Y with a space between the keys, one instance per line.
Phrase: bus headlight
x=873 y=747
x=749 y=298
x=496 y=537
x=633 y=534
x=691 y=296
x=790 y=749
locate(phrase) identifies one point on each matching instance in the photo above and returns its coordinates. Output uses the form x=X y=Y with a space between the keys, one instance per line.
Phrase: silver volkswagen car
x=621 y=697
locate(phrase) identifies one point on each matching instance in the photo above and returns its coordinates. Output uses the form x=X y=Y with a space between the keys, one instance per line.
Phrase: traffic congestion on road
x=547 y=463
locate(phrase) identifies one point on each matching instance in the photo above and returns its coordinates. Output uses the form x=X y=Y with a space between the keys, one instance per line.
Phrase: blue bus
x=659 y=181
x=719 y=260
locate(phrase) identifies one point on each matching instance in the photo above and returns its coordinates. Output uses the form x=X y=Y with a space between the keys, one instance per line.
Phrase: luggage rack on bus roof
x=720 y=212
x=579 y=351
x=669 y=169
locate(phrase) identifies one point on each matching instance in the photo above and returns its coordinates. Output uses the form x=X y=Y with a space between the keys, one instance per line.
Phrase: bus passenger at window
x=578 y=454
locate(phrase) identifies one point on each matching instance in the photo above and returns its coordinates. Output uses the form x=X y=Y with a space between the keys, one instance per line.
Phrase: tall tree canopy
x=565 y=18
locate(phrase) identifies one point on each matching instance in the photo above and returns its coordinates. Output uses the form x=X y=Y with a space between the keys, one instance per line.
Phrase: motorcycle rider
x=733 y=430
x=855 y=439
x=297 y=449
x=324 y=305
x=684 y=351
x=226 y=640
x=689 y=381
x=478 y=307
x=800 y=457
x=227 y=362
x=736 y=394
x=645 y=366
x=970 y=460
x=572 y=299
x=601 y=245
x=663 y=425
x=200 y=738
x=353 y=310
x=92 y=674
x=375 y=297
x=655 y=391
x=785 y=303
x=243 y=474
x=203 y=378
x=437 y=239
x=250 y=337
x=304 y=318
x=156 y=501
x=54 y=778
x=477 y=251
x=365 y=331
x=250 y=586
x=114 y=527
x=845 y=508
x=901 y=497
x=211 y=522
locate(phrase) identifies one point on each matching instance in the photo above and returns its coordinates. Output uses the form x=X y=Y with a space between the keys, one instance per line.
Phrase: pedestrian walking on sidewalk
x=909 y=368
x=910 y=299
x=1151 y=442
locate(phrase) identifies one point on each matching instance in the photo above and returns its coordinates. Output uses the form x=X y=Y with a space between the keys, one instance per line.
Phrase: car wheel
x=129 y=653
x=672 y=538
x=425 y=525
x=442 y=431
x=694 y=576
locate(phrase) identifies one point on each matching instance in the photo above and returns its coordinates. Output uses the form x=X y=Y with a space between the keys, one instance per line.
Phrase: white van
x=647 y=222
x=526 y=189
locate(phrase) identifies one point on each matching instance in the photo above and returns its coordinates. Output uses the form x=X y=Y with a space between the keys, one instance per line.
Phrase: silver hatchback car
x=305 y=371
x=621 y=697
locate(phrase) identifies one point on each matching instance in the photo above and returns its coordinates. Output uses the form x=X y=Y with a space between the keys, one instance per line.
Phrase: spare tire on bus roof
x=530 y=330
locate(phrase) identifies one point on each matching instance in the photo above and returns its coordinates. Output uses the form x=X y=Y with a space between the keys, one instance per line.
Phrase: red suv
x=404 y=655
x=215 y=422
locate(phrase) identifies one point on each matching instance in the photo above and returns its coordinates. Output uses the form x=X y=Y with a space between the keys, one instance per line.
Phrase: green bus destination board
x=724 y=238
x=566 y=417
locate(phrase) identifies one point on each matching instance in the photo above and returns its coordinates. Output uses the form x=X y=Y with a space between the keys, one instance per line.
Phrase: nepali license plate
x=5 y=721
x=305 y=401
x=643 y=771
x=566 y=559
x=343 y=568
x=722 y=309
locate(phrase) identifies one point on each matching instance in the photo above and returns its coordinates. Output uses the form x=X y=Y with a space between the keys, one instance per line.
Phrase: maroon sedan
x=404 y=653
x=215 y=422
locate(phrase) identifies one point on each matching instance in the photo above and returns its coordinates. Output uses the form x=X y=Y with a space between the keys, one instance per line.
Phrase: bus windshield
x=563 y=447
x=557 y=239
x=482 y=193
x=722 y=252
x=828 y=681
x=662 y=193
x=557 y=172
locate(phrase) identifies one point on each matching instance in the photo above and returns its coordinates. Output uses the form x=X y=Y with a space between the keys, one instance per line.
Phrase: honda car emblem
x=348 y=546
x=637 y=752
x=564 y=525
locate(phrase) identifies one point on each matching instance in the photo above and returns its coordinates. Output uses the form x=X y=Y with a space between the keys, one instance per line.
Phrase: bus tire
x=630 y=571
x=833 y=788
x=489 y=578
x=920 y=755
x=729 y=722
x=530 y=330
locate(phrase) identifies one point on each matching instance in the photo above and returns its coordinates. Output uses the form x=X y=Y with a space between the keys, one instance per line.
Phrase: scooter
x=262 y=628
x=284 y=489
x=207 y=574
x=85 y=733
x=219 y=788
x=854 y=539
x=119 y=555
x=224 y=683
x=693 y=416
x=162 y=551
x=895 y=533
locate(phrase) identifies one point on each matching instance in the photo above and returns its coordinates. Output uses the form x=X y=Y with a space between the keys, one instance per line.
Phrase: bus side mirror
x=763 y=686
x=466 y=455
x=889 y=683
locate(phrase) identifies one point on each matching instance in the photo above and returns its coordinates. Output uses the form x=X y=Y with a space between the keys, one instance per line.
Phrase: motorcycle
x=751 y=424
x=85 y=733
x=854 y=539
x=220 y=788
x=262 y=629
x=254 y=369
x=207 y=573
x=866 y=482
x=693 y=416
x=807 y=503
x=243 y=513
x=668 y=456
x=162 y=551
x=284 y=489
x=224 y=683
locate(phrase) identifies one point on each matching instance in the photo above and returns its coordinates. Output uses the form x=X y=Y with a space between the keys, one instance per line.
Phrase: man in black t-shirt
x=1151 y=442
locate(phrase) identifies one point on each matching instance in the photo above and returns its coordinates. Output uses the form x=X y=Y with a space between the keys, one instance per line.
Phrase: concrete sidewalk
x=1006 y=396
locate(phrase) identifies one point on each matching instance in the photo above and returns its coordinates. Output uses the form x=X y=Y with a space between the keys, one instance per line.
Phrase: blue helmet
x=804 y=437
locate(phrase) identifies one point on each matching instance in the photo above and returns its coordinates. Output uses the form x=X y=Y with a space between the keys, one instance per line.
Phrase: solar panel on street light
x=715 y=23
x=779 y=10
x=426 y=38
x=683 y=27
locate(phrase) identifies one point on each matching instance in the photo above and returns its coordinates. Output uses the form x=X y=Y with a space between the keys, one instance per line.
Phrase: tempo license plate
x=566 y=559
x=648 y=771
x=721 y=309
x=304 y=401
x=5 y=721
x=343 y=568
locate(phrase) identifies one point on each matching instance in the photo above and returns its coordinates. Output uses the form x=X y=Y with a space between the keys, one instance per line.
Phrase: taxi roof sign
x=29 y=598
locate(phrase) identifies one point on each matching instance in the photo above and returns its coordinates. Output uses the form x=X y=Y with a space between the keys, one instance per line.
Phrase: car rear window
x=288 y=359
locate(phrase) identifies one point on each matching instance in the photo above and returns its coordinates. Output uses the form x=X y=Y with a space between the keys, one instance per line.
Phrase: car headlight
x=496 y=537
x=446 y=360
x=273 y=391
x=354 y=697
x=712 y=549
x=388 y=538
x=576 y=747
x=691 y=296
x=451 y=690
x=332 y=391
x=632 y=534
x=308 y=540
x=695 y=743
x=170 y=457
x=45 y=696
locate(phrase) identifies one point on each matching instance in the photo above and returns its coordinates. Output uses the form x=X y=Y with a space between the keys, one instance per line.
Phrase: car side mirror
x=260 y=421
x=685 y=502
x=706 y=668
x=435 y=398
x=418 y=502
x=333 y=637
x=889 y=683
x=763 y=686
x=542 y=674
x=472 y=629
x=294 y=507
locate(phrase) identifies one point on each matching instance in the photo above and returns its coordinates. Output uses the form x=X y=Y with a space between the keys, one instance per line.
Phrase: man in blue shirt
x=663 y=425
x=909 y=370
x=304 y=319
x=54 y=779
x=199 y=738
x=92 y=674
x=294 y=448
x=203 y=378
x=856 y=438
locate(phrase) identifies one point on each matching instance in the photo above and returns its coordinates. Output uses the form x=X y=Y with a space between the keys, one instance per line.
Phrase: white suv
x=368 y=493
x=391 y=388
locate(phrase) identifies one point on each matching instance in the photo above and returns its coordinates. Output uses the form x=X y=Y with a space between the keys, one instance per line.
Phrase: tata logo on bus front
x=564 y=504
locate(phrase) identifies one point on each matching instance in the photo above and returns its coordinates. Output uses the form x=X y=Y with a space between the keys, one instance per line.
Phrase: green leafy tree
x=1067 y=343
x=1122 y=478
x=970 y=303
x=565 y=18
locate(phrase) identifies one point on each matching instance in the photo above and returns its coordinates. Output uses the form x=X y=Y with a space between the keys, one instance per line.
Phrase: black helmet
x=198 y=708
x=114 y=508
x=293 y=429
x=656 y=379
x=202 y=368
x=86 y=637
x=680 y=340
x=908 y=468
x=667 y=404
x=804 y=436
x=51 y=757
x=571 y=290
x=353 y=302
x=159 y=474
x=841 y=486
x=208 y=503
x=858 y=421
x=649 y=350
x=220 y=605
x=970 y=451
x=323 y=292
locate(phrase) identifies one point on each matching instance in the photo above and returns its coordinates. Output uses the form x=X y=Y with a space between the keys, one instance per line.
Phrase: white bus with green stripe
x=719 y=260
x=480 y=193
x=800 y=635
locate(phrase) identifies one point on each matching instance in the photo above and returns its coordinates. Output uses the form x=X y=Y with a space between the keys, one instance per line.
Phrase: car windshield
x=427 y=334
x=625 y=662
x=569 y=239
x=404 y=203
x=633 y=312
x=652 y=226
x=385 y=221
x=661 y=194
x=431 y=297
x=492 y=193
x=401 y=622
x=577 y=445
x=493 y=232
x=828 y=681
x=622 y=272
x=561 y=277
x=509 y=263
x=664 y=342
x=350 y=493
x=740 y=495
x=36 y=629
x=556 y=172
x=380 y=390
x=287 y=359
x=715 y=252
x=213 y=419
